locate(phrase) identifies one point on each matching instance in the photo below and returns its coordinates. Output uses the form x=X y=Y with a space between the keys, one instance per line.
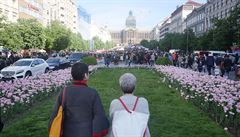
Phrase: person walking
x=83 y=111
x=210 y=63
x=227 y=64
x=128 y=101
x=152 y=59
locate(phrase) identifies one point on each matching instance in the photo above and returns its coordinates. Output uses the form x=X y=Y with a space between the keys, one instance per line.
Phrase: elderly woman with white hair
x=130 y=103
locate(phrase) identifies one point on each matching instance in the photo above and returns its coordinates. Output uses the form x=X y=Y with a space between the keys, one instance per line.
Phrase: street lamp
x=187 y=40
x=238 y=23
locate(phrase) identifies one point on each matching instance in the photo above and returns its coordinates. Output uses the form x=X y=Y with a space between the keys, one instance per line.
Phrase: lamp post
x=187 y=40
x=238 y=31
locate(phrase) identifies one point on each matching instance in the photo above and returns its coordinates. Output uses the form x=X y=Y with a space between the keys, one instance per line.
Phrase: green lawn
x=171 y=116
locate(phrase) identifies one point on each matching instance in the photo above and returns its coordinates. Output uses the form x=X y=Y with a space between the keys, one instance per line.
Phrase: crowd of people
x=212 y=64
x=128 y=58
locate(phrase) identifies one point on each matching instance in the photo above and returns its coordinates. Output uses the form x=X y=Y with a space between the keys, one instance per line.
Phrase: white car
x=24 y=68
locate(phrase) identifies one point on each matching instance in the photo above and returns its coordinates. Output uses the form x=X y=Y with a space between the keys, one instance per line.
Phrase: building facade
x=155 y=33
x=9 y=9
x=100 y=31
x=130 y=35
x=31 y=9
x=84 y=23
x=180 y=14
x=218 y=9
x=164 y=28
x=64 y=11
x=196 y=21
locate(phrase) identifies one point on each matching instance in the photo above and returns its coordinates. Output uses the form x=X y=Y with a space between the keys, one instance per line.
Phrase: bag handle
x=135 y=105
x=63 y=95
x=63 y=100
x=124 y=105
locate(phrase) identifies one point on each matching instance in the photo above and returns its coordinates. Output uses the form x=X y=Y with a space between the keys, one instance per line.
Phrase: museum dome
x=131 y=21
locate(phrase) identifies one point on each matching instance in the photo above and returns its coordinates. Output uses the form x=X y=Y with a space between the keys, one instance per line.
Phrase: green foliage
x=10 y=38
x=58 y=37
x=99 y=44
x=171 y=116
x=163 y=61
x=89 y=60
x=152 y=44
x=31 y=34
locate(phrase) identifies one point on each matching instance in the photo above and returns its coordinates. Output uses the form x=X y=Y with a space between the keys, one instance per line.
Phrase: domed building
x=131 y=21
x=130 y=35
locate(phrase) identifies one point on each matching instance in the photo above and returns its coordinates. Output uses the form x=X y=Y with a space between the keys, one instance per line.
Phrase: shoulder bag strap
x=63 y=96
x=124 y=105
x=63 y=106
x=135 y=105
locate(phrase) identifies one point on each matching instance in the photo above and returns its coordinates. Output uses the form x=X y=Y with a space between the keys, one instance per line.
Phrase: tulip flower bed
x=219 y=97
x=17 y=96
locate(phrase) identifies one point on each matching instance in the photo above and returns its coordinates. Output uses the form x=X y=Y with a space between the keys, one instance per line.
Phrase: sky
x=113 y=13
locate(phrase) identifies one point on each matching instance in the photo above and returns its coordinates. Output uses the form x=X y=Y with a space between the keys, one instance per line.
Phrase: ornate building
x=130 y=35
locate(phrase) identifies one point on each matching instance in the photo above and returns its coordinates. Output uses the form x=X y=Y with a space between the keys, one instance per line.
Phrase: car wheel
x=46 y=70
x=28 y=74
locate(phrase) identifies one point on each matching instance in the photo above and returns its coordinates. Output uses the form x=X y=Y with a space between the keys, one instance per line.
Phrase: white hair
x=127 y=82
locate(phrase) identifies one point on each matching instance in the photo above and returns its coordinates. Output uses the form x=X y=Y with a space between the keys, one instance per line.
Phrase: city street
x=111 y=68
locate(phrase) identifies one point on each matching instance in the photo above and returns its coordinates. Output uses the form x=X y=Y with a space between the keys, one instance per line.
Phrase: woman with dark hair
x=84 y=115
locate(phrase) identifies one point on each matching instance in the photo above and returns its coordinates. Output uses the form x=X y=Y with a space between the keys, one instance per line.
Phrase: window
x=35 y=62
x=40 y=61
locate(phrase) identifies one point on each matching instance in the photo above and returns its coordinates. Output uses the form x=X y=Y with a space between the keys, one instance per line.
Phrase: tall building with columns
x=130 y=34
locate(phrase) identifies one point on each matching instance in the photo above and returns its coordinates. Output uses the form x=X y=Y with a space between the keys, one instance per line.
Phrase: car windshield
x=22 y=63
x=53 y=60
x=75 y=56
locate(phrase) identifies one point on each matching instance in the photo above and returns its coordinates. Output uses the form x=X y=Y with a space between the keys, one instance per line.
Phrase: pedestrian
x=200 y=63
x=152 y=59
x=227 y=64
x=128 y=101
x=130 y=59
x=190 y=61
x=209 y=63
x=84 y=115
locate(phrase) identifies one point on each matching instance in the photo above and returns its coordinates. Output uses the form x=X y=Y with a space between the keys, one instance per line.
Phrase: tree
x=190 y=40
x=32 y=33
x=57 y=37
x=234 y=20
x=76 y=42
x=10 y=37
x=145 y=43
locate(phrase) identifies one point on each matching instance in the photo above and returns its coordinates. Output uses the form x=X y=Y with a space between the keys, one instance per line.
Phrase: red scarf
x=80 y=83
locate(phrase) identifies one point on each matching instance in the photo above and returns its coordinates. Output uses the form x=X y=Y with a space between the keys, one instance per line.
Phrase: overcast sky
x=113 y=13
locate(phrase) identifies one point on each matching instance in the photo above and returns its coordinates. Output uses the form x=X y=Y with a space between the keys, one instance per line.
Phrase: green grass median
x=171 y=116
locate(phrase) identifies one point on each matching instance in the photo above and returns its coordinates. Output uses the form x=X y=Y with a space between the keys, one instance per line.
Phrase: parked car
x=76 y=57
x=24 y=68
x=58 y=63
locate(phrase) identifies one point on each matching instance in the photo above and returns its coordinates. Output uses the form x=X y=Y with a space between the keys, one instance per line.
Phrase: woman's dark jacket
x=84 y=115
